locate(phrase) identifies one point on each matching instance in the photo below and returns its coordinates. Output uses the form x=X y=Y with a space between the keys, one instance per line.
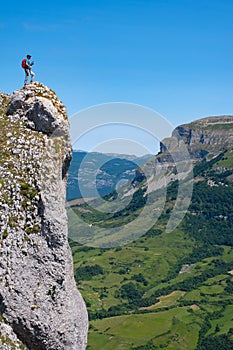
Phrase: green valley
x=165 y=290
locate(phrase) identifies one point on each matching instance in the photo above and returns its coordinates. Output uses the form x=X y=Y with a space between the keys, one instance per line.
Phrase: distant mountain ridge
x=204 y=138
x=101 y=172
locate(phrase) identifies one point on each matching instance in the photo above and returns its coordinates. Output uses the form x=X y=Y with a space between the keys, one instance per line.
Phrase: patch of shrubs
x=87 y=272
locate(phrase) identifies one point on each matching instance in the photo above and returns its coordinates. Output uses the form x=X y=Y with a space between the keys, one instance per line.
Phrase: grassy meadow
x=165 y=290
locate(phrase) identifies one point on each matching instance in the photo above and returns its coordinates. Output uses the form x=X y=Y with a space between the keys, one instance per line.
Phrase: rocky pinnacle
x=40 y=305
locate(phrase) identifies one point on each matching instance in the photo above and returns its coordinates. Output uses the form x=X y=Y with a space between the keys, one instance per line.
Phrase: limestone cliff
x=201 y=140
x=204 y=137
x=40 y=306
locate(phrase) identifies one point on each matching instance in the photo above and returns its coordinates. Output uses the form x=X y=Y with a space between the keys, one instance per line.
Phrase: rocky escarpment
x=40 y=306
x=200 y=140
x=205 y=137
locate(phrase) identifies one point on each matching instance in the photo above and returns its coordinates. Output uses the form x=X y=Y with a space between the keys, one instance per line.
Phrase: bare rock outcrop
x=40 y=306
x=200 y=140
x=211 y=135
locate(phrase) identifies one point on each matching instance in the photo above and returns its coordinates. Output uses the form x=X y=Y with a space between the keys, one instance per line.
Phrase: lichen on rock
x=38 y=295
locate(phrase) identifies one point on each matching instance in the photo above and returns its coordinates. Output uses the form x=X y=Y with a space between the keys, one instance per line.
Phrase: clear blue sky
x=174 y=56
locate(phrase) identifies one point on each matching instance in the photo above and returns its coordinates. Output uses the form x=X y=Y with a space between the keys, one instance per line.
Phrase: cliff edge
x=40 y=306
x=198 y=141
x=204 y=138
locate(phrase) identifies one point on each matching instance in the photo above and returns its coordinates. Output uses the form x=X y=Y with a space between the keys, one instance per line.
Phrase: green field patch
x=182 y=337
x=228 y=254
x=212 y=289
x=223 y=323
x=166 y=300
x=194 y=295
x=226 y=162
x=216 y=280
x=211 y=308
x=174 y=327
x=106 y=342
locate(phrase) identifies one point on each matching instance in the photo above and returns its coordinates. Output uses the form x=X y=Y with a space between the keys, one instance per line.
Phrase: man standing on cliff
x=27 y=66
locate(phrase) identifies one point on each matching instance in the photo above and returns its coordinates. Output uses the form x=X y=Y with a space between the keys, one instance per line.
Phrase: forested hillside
x=165 y=290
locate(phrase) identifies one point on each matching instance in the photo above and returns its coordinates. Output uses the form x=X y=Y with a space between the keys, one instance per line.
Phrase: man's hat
x=29 y=56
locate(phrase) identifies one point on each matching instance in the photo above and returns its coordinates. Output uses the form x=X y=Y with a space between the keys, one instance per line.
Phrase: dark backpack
x=24 y=63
